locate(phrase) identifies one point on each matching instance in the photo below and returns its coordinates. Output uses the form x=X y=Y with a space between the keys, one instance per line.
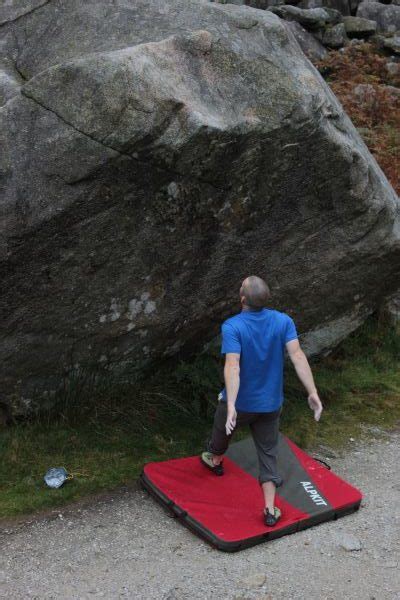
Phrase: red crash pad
x=227 y=510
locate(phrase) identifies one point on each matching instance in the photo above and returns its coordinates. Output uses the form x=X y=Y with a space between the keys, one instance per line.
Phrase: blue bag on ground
x=56 y=476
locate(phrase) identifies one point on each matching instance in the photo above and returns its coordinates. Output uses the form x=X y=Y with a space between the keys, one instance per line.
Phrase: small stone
x=328 y=451
x=391 y=564
x=393 y=92
x=365 y=94
x=253 y=581
x=174 y=594
x=349 y=542
x=393 y=68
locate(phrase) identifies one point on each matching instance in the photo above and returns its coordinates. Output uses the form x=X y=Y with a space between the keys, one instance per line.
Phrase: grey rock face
x=353 y=6
x=9 y=86
x=393 y=68
x=391 y=307
x=358 y=27
x=10 y=78
x=335 y=37
x=392 y=44
x=311 y=47
x=263 y=4
x=311 y=18
x=387 y=16
x=237 y=2
x=157 y=154
x=11 y=10
x=343 y=6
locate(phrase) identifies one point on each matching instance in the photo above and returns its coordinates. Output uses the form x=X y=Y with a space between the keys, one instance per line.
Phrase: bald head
x=255 y=291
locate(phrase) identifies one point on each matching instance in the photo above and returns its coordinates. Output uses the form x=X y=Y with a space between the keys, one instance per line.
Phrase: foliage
x=375 y=110
x=199 y=381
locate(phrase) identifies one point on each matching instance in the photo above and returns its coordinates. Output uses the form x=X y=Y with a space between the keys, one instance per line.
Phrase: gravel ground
x=125 y=546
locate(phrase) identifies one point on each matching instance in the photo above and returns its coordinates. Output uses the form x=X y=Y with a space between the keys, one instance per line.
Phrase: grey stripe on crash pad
x=298 y=494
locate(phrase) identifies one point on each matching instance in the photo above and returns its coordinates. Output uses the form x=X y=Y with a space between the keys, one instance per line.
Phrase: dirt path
x=127 y=547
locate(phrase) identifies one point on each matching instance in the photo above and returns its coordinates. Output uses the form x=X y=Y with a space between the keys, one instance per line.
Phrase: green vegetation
x=105 y=429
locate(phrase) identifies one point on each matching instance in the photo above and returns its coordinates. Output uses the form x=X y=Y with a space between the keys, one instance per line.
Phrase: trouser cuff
x=278 y=481
x=209 y=448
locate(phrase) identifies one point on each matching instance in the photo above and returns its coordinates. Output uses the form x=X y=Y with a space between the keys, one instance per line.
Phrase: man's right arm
x=300 y=363
x=303 y=370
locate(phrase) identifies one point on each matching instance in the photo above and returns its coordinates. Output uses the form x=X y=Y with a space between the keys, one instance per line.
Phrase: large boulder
x=11 y=10
x=9 y=86
x=343 y=6
x=157 y=153
x=358 y=27
x=311 y=47
x=390 y=309
x=393 y=68
x=387 y=16
x=335 y=36
x=392 y=44
x=310 y=18
x=10 y=78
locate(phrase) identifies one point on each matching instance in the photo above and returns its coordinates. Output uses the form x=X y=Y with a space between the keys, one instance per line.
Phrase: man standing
x=254 y=342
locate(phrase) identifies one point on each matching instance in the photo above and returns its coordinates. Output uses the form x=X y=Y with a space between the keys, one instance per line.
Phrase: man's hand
x=315 y=404
x=231 y=420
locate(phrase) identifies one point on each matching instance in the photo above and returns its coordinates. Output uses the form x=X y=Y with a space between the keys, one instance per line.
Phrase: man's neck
x=246 y=308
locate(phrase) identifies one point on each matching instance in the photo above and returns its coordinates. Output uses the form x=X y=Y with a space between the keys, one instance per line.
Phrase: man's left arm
x=232 y=383
x=231 y=347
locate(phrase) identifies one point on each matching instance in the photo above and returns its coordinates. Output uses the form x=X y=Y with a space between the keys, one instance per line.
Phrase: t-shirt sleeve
x=230 y=339
x=290 y=330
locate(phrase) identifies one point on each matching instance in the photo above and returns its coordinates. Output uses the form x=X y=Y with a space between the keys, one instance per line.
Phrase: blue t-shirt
x=260 y=337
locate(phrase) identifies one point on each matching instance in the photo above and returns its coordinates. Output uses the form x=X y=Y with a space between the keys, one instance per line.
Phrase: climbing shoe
x=206 y=459
x=271 y=519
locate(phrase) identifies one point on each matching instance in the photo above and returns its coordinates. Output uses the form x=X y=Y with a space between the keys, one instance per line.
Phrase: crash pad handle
x=179 y=511
x=323 y=462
